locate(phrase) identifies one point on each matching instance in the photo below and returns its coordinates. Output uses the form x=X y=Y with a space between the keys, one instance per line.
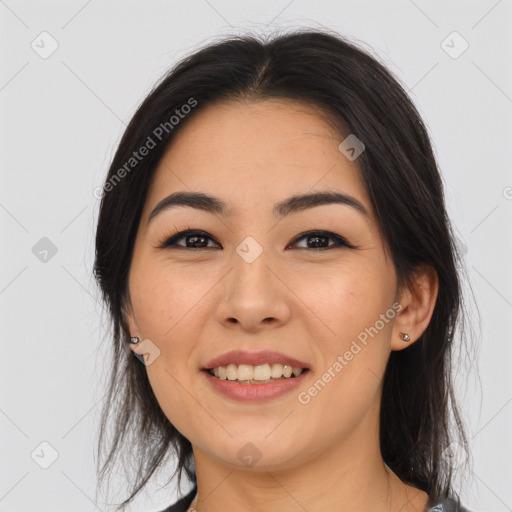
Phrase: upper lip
x=254 y=359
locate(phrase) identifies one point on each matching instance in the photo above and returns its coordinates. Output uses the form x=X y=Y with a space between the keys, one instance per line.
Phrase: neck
x=345 y=476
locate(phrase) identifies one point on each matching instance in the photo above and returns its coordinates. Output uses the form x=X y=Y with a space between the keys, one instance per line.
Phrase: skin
x=314 y=456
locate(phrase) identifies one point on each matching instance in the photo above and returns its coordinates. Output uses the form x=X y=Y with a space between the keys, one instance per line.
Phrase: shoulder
x=183 y=503
x=448 y=505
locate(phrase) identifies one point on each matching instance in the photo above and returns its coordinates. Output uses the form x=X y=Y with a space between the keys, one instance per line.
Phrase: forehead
x=251 y=153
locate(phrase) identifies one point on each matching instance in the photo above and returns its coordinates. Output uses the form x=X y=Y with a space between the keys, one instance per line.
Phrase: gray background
x=61 y=118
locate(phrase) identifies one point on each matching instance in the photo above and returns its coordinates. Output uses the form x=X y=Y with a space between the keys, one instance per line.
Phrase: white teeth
x=287 y=371
x=261 y=372
x=277 y=371
x=297 y=370
x=245 y=372
x=232 y=372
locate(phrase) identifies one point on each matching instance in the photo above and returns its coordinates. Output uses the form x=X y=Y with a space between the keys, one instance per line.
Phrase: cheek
x=162 y=300
x=166 y=305
x=355 y=303
x=347 y=297
x=354 y=354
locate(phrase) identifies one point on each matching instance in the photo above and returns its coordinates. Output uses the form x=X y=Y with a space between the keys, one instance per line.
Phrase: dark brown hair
x=400 y=173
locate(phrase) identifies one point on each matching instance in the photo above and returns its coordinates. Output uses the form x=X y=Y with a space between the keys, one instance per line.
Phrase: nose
x=253 y=296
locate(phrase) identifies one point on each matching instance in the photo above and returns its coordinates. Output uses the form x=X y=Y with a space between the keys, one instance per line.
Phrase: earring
x=134 y=340
x=405 y=337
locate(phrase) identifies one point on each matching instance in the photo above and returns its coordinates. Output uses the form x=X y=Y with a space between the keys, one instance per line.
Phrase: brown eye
x=193 y=239
x=320 y=240
x=317 y=240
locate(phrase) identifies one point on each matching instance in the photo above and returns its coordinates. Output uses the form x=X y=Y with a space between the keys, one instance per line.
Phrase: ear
x=418 y=302
x=131 y=325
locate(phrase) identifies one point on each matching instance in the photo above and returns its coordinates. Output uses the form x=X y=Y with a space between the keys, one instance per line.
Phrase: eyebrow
x=293 y=204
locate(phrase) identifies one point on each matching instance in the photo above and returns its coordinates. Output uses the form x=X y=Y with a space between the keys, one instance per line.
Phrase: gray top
x=448 y=505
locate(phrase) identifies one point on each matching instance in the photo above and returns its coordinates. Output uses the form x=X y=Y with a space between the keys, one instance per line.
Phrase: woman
x=273 y=247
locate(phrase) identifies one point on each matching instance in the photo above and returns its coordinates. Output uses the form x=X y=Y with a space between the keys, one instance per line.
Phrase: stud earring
x=134 y=340
x=405 y=337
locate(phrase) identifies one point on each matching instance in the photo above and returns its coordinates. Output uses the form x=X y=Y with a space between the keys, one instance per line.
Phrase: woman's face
x=253 y=284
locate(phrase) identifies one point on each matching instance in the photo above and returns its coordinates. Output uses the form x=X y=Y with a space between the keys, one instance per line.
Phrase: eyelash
x=171 y=242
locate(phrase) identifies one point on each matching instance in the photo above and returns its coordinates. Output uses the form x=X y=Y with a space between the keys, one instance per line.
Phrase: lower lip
x=248 y=392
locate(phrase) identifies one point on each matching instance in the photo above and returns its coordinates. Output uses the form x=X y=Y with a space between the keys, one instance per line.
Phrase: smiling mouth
x=233 y=378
